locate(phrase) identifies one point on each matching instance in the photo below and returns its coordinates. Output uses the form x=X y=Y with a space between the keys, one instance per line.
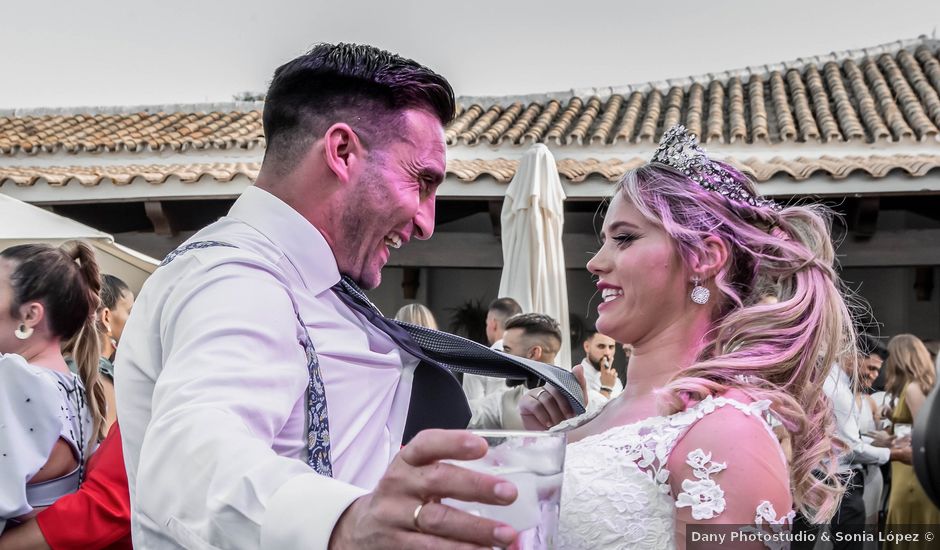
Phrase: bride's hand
x=544 y=407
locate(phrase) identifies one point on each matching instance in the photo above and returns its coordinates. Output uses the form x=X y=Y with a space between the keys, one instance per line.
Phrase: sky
x=62 y=53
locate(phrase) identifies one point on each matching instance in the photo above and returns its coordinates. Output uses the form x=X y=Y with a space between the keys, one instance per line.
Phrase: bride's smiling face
x=640 y=277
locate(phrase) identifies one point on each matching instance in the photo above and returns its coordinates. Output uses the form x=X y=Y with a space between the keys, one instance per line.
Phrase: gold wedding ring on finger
x=416 y=514
x=539 y=393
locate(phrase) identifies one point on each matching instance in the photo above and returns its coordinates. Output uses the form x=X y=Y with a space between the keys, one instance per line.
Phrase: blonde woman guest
x=910 y=377
x=416 y=314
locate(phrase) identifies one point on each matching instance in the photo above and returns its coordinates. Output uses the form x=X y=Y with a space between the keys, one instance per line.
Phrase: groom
x=263 y=401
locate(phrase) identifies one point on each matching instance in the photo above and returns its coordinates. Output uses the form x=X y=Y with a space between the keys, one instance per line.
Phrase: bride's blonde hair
x=781 y=351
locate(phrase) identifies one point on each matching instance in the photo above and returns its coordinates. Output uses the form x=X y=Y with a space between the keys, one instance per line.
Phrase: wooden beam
x=904 y=248
x=496 y=210
x=159 y=218
x=480 y=250
x=410 y=281
x=864 y=219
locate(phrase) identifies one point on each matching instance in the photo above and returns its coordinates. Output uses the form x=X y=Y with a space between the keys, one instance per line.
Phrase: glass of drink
x=534 y=463
x=902 y=431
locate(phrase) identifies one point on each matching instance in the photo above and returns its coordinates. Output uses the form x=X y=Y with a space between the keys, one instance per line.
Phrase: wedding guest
x=531 y=335
x=417 y=314
x=910 y=377
x=687 y=248
x=263 y=401
x=116 y=301
x=603 y=383
x=49 y=427
x=475 y=386
x=852 y=418
x=870 y=361
x=97 y=516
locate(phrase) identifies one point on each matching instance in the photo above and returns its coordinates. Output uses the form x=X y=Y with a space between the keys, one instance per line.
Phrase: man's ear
x=713 y=258
x=535 y=353
x=343 y=151
x=105 y=319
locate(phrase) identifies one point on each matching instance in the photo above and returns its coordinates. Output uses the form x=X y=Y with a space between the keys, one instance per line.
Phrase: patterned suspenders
x=317 y=419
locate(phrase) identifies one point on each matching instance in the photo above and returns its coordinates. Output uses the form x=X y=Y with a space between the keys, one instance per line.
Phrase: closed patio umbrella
x=533 y=258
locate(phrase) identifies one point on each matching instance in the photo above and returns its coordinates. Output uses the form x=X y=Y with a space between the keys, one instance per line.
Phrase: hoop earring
x=700 y=294
x=23 y=332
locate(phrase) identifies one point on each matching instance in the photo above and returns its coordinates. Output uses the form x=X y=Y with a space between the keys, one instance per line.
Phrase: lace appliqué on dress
x=703 y=495
x=616 y=492
x=771 y=529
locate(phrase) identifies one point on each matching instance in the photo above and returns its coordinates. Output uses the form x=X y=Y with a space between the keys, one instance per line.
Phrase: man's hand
x=880 y=438
x=386 y=517
x=545 y=406
x=608 y=373
x=903 y=454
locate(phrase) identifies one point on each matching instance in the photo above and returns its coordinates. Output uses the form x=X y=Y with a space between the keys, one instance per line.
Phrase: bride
x=690 y=256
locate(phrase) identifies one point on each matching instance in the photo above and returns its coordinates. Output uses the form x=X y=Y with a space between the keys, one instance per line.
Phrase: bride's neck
x=655 y=361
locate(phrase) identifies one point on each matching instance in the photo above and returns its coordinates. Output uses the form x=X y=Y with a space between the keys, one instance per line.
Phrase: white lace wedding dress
x=617 y=491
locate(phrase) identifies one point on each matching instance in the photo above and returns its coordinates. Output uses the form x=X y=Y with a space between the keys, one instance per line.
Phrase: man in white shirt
x=243 y=373
x=843 y=392
x=531 y=335
x=475 y=386
x=603 y=384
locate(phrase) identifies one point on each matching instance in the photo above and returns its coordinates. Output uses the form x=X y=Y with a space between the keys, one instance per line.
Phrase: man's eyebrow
x=436 y=176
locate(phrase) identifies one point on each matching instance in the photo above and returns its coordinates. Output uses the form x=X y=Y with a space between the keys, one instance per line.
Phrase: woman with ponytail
x=51 y=418
x=689 y=252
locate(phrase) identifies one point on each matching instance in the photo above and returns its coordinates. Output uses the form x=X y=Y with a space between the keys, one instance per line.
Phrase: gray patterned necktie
x=457 y=354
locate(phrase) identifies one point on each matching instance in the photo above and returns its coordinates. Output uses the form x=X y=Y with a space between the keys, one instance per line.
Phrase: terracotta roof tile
x=927 y=94
x=910 y=103
x=759 y=123
x=786 y=125
x=827 y=122
x=890 y=95
x=608 y=118
x=630 y=117
x=737 y=128
x=564 y=121
x=696 y=109
x=886 y=104
x=673 y=107
x=574 y=170
x=845 y=111
x=716 y=113
x=874 y=123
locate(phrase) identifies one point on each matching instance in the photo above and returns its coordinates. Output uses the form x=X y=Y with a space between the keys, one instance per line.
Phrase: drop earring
x=700 y=294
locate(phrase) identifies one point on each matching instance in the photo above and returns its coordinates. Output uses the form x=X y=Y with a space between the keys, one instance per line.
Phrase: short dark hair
x=504 y=308
x=869 y=345
x=359 y=84
x=112 y=288
x=535 y=324
x=589 y=334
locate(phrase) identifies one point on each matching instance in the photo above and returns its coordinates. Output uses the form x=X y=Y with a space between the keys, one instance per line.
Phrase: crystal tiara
x=679 y=149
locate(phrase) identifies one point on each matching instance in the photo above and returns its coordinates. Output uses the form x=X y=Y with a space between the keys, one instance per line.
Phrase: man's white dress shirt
x=838 y=387
x=212 y=381
x=593 y=378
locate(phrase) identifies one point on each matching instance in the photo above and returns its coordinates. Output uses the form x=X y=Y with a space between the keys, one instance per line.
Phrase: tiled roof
x=501 y=170
x=874 y=95
x=157 y=131
x=887 y=97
